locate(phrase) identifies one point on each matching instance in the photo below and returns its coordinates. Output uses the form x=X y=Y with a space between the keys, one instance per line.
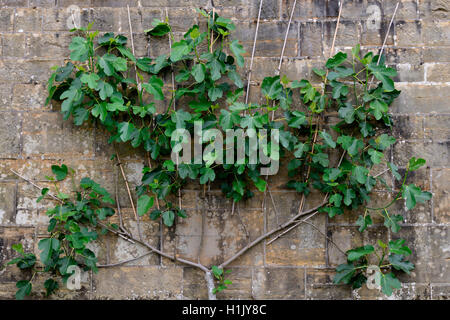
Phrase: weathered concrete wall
x=34 y=36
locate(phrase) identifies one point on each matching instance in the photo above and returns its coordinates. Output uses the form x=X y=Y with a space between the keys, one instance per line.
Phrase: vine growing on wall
x=105 y=84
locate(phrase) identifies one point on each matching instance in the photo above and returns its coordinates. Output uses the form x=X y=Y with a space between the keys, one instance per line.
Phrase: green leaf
x=155 y=214
x=126 y=53
x=60 y=172
x=397 y=247
x=360 y=174
x=91 y=79
x=375 y=156
x=100 y=110
x=207 y=174
x=378 y=108
x=47 y=246
x=328 y=139
x=24 y=289
x=50 y=286
x=144 y=204
x=237 y=50
x=182 y=213
x=187 y=170
x=348 y=196
x=217 y=272
x=399 y=264
x=168 y=218
x=363 y=222
x=321 y=158
x=384 y=141
x=70 y=97
x=354 y=148
x=110 y=63
x=217 y=68
x=384 y=75
x=331 y=174
x=413 y=194
x=18 y=246
x=319 y=72
x=228 y=119
x=160 y=29
x=79 y=48
x=215 y=93
x=344 y=273
x=392 y=221
x=357 y=253
x=415 y=164
x=271 y=87
x=62 y=73
x=347 y=113
x=180 y=117
x=154 y=87
x=339 y=89
x=236 y=78
x=300 y=148
x=394 y=170
x=332 y=211
x=126 y=130
x=260 y=184
x=336 y=60
x=296 y=119
x=179 y=50
x=336 y=199
x=389 y=282
x=198 y=72
x=238 y=186
x=105 y=90
x=90 y=260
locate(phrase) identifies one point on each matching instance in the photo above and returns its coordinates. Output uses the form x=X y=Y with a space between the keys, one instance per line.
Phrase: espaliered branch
x=98 y=85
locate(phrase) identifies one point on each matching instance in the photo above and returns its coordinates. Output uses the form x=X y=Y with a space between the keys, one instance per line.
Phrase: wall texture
x=34 y=36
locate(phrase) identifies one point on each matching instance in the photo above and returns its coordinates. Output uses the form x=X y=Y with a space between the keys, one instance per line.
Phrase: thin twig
x=302 y=202
x=273 y=111
x=35 y=185
x=253 y=54
x=126 y=184
x=273 y=204
x=130 y=238
x=291 y=228
x=285 y=38
x=268 y=234
x=172 y=74
x=326 y=237
x=384 y=41
x=242 y=222
x=132 y=47
x=123 y=262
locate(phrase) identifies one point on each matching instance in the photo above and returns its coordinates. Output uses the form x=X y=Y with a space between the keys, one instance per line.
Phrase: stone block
x=441 y=198
x=438 y=72
x=10 y=125
x=7 y=203
x=419 y=98
x=28 y=19
x=138 y=282
x=319 y=285
x=279 y=283
x=435 y=153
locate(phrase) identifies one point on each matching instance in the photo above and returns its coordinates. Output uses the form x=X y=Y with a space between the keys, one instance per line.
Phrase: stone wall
x=34 y=36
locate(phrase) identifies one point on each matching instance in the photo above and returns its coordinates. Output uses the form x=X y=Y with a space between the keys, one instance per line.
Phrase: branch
x=268 y=234
x=253 y=54
x=126 y=184
x=123 y=262
x=385 y=39
x=285 y=39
